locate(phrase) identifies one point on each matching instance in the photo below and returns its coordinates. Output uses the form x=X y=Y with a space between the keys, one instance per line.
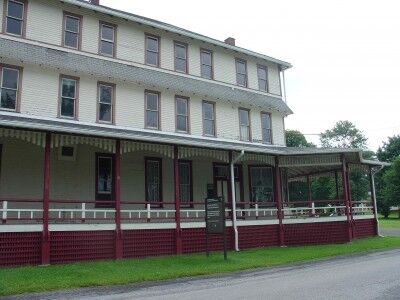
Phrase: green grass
x=39 y=278
x=392 y=222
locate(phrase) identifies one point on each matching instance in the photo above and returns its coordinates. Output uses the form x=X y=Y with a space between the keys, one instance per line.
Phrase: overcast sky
x=345 y=54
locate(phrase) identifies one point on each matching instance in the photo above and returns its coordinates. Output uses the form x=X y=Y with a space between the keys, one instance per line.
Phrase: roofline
x=168 y=27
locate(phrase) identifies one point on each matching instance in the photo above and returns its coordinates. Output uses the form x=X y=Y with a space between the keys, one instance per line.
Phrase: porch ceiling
x=295 y=158
x=56 y=58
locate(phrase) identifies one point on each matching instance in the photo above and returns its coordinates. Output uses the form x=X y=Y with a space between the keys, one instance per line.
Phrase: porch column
x=178 y=230
x=117 y=193
x=278 y=199
x=346 y=197
x=373 y=198
x=46 y=193
x=350 y=200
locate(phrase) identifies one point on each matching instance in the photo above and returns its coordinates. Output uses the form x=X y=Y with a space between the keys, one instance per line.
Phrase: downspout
x=374 y=196
x=234 y=223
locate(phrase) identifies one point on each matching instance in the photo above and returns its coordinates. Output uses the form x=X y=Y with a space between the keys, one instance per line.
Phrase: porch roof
x=293 y=157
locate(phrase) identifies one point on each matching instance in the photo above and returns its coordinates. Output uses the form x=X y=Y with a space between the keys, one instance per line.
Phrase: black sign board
x=215 y=219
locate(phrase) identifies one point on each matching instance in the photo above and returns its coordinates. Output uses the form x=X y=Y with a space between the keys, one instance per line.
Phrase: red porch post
x=117 y=193
x=278 y=200
x=46 y=195
x=346 y=197
x=178 y=230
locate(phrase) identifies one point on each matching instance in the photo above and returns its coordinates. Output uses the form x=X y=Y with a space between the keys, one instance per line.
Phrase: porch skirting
x=24 y=247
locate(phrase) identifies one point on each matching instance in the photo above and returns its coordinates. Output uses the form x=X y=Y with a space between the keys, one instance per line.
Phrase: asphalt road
x=368 y=276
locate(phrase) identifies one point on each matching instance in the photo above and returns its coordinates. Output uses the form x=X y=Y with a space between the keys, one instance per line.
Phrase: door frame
x=105 y=205
x=238 y=179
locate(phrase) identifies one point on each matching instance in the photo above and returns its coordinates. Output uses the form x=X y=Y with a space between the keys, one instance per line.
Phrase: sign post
x=215 y=220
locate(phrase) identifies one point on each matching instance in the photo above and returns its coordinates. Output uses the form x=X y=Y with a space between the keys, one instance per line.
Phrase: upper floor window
x=181 y=57
x=241 y=72
x=107 y=39
x=106 y=102
x=152 y=50
x=10 y=78
x=182 y=114
x=206 y=64
x=152 y=105
x=72 y=31
x=266 y=128
x=69 y=97
x=262 y=74
x=15 y=17
x=209 y=118
x=244 y=122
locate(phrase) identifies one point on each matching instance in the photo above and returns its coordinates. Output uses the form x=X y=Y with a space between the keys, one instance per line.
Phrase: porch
x=72 y=197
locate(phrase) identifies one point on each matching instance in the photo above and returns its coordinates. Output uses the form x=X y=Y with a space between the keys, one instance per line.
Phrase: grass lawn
x=38 y=278
x=392 y=222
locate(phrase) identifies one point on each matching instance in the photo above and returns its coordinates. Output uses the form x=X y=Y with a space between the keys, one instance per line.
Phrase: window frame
x=24 y=17
x=249 y=126
x=160 y=172
x=76 y=103
x=239 y=60
x=64 y=29
x=177 y=43
x=19 y=86
x=187 y=115
x=264 y=67
x=190 y=204
x=113 y=86
x=100 y=195
x=114 y=26
x=152 y=36
x=212 y=63
x=214 y=120
x=158 y=111
x=261 y=204
x=270 y=127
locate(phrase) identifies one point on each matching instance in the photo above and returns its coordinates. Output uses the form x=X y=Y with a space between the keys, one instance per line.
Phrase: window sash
x=266 y=128
x=182 y=59
x=157 y=40
x=106 y=103
x=205 y=65
x=209 y=119
x=240 y=74
x=157 y=110
x=113 y=33
x=6 y=88
x=244 y=125
x=68 y=97
x=182 y=115
x=262 y=81
x=77 y=33
x=21 y=20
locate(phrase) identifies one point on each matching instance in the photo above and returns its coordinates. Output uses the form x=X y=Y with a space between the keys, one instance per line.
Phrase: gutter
x=233 y=190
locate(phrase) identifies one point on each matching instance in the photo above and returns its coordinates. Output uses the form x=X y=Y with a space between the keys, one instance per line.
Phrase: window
x=206 y=64
x=69 y=97
x=152 y=105
x=153 y=182
x=15 y=17
x=185 y=183
x=262 y=74
x=152 y=50
x=104 y=180
x=266 y=128
x=244 y=121
x=209 y=118
x=261 y=184
x=182 y=114
x=106 y=102
x=67 y=153
x=72 y=31
x=10 y=81
x=180 y=57
x=241 y=72
x=107 y=39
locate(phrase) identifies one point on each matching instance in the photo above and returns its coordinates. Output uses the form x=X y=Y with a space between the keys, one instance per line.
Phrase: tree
x=295 y=138
x=390 y=149
x=343 y=135
x=391 y=179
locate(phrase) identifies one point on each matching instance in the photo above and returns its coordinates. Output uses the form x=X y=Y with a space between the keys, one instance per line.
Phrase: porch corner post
x=346 y=197
x=117 y=193
x=178 y=230
x=278 y=200
x=46 y=194
x=373 y=198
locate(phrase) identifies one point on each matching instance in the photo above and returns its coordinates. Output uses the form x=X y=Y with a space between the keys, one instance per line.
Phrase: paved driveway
x=368 y=276
x=390 y=231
